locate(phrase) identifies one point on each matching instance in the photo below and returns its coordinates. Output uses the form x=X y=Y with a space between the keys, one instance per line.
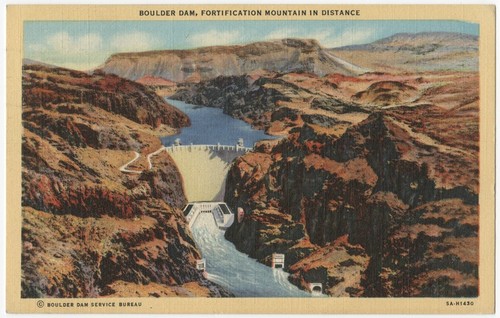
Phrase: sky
x=84 y=45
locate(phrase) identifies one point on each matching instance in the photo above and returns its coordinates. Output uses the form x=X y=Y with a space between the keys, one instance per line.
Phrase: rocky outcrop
x=88 y=229
x=58 y=197
x=287 y=55
x=164 y=182
x=43 y=86
x=241 y=97
x=268 y=231
x=336 y=106
x=339 y=267
x=375 y=190
x=387 y=93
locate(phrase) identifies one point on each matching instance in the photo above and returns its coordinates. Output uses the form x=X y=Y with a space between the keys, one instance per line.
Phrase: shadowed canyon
x=368 y=183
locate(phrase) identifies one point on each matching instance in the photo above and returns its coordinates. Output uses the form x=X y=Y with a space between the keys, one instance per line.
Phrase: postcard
x=250 y=159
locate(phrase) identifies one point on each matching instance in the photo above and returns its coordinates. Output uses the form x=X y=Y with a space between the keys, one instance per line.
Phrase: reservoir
x=210 y=126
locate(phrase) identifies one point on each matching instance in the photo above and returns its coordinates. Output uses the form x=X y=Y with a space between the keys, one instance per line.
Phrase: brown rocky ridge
x=373 y=190
x=88 y=229
x=414 y=234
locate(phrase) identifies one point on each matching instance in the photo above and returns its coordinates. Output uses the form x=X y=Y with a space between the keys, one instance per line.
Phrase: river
x=225 y=265
x=235 y=271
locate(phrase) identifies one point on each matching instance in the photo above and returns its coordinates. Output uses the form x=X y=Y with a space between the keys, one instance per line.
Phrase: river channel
x=225 y=265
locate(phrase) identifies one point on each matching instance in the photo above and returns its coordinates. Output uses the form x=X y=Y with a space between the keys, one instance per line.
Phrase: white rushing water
x=238 y=273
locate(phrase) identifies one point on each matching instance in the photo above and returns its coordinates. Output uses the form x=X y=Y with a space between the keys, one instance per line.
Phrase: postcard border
x=484 y=15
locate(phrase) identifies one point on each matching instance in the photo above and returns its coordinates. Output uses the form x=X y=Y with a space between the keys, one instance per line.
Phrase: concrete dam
x=204 y=169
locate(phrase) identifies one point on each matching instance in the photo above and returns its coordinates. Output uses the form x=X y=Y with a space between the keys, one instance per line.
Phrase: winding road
x=150 y=165
x=137 y=155
x=124 y=167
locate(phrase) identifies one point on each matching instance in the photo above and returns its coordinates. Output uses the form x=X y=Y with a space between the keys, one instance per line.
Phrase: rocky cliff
x=287 y=55
x=108 y=92
x=370 y=192
x=242 y=97
x=272 y=101
x=90 y=230
x=371 y=203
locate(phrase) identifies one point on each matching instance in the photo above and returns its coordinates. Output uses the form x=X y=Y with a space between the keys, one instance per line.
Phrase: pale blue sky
x=86 y=44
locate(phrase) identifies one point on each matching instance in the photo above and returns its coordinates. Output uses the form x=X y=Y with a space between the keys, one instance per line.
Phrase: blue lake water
x=210 y=126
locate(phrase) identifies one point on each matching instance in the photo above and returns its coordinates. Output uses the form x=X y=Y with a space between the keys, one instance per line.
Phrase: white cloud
x=133 y=42
x=63 y=43
x=214 y=37
x=325 y=37
x=36 y=47
x=321 y=36
x=72 y=51
x=282 y=34
x=349 y=37
x=86 y=51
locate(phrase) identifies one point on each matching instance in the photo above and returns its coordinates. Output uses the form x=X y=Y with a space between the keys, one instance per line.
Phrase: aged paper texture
x=250 y=159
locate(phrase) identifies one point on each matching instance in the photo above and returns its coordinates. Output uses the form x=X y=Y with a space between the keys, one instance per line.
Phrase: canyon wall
x=371 y=192
x=358 y=206
x=90 y=230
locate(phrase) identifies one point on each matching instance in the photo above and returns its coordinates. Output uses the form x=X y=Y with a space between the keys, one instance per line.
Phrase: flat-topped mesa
x=255 y=48
x=284 y=55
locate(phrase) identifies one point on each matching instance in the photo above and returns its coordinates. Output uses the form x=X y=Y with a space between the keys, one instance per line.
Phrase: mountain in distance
x=402 y=52
x=415 y=52
x=286 y=55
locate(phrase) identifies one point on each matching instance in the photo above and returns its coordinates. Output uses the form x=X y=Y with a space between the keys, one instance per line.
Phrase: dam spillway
x=223 y=217
x=204 y=169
